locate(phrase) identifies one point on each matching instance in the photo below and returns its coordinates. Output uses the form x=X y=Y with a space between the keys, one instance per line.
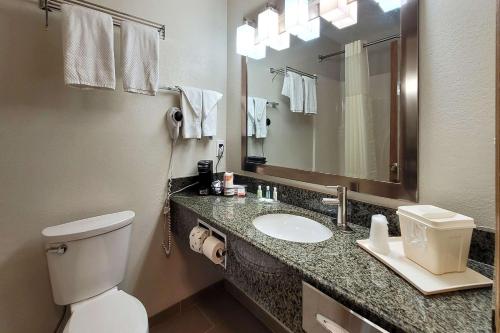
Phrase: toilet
x=87 y=260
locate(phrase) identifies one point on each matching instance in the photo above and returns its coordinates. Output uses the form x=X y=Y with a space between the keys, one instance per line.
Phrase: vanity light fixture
x=246 y=42
x=311 y=30
x=258 y=51
x=280 y=42
x=296 y=16
x=245 y=39
x=388 y=5
x=341 y=13
x=268 y=26
x=351 y=18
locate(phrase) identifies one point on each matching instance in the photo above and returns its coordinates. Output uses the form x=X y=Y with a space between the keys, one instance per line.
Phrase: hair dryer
x=174 y=121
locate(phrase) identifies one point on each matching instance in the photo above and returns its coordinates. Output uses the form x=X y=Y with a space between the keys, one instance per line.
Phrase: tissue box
x=435 y=238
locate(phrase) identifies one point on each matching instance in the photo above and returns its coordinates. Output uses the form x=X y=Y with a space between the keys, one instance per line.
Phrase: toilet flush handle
x=59 y=249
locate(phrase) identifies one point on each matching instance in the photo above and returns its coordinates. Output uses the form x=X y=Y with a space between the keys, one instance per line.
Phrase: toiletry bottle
x=259 y=192
x=268 y=192
x=275 y=194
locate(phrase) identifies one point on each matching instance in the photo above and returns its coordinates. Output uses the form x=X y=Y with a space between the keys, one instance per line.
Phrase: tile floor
x=213 y=310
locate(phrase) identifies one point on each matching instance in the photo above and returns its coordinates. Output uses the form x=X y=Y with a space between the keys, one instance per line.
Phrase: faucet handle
x=330 y=201
x=340 y=189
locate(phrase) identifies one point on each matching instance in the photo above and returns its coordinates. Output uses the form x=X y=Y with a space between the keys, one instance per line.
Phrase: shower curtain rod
x=118 y=17
x=382 y=40
x=291 y=69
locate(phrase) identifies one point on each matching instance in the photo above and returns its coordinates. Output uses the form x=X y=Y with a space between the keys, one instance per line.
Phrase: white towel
x=310 y=101
x=293 y=88
x=260 y=117
x=192 y=108
x=250 y=116
x=209 y=116
x=88 y=52
x=140 y=58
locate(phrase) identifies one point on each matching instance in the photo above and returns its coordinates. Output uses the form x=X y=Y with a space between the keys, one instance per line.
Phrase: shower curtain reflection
x=359 y=144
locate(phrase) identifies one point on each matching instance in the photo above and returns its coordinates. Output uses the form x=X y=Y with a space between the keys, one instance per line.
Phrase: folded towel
x=209 y=116
x=140 y=58
x=250 y=116
x=260 y=117
x=192 y=108
x=310 y=101
x=293 y=88
x=88 y=53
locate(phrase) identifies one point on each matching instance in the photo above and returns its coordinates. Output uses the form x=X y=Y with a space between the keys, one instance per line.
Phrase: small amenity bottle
x=259 y=192
x=268 y=192
x=275 y=194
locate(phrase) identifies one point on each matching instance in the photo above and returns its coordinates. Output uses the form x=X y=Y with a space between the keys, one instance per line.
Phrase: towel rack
x=174 y=89
x=285 y=69
x=118 y=17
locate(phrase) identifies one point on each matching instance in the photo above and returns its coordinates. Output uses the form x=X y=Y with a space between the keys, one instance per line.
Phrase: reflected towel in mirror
x=260 y=117
x=310 y=100
x=293 y=88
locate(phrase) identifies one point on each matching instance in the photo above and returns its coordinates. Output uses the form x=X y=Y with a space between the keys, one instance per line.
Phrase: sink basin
x=292 y=228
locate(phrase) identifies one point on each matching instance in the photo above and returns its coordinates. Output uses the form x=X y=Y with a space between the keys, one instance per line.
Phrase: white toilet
x=87 y=260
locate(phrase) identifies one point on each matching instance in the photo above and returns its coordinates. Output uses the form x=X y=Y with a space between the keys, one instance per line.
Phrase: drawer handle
x=330 y=325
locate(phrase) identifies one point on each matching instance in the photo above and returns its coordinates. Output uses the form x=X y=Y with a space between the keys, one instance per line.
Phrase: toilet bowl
x=112 y=311
x=87 y=260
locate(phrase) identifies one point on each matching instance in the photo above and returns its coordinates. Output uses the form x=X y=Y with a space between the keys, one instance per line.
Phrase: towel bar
x=118 y=17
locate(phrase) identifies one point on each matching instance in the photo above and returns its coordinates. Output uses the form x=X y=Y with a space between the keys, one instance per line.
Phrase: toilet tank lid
x=86 y=228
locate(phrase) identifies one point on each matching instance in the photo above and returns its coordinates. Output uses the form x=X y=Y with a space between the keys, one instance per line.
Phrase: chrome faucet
x=341 y=203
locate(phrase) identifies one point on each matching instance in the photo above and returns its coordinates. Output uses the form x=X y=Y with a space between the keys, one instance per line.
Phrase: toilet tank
x=87 y=257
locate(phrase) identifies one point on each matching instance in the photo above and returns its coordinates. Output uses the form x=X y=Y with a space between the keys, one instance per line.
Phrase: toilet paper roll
x=196 y=238
x=213 y=249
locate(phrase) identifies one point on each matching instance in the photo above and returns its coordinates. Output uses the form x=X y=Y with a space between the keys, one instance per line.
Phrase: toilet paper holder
x=218 y=234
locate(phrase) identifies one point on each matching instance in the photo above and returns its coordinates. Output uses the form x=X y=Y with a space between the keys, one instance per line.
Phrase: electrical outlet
x=219 y=148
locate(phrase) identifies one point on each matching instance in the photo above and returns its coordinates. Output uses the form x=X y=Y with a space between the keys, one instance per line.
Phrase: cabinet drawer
x=322 y=314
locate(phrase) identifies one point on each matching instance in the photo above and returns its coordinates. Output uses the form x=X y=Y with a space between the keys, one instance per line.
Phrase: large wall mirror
x=339 y=109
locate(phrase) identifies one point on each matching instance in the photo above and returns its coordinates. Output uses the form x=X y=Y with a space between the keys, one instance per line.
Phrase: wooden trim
x=497 y=173
x=393 y=141
x=244 y=106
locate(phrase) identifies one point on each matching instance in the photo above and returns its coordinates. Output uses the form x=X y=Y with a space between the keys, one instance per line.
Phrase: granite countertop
x=339 y=267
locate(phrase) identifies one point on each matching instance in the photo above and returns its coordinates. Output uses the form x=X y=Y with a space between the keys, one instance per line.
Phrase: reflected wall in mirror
x=335 y=105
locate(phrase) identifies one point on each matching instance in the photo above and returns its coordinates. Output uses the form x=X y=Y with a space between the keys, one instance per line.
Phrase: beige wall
x=457 y=75
x=457 y=96
x=68 y=154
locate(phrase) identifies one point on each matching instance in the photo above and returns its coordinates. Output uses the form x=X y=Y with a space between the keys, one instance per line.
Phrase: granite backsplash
x=482 y=244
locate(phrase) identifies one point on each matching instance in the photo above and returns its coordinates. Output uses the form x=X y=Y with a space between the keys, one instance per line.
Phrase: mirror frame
x=407 y=188
x=496 y=290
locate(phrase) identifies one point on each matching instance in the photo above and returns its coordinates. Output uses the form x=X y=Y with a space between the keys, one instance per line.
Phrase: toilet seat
x=114 y=312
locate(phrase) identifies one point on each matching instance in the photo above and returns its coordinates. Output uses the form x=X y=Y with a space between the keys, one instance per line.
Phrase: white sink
x=292 y=228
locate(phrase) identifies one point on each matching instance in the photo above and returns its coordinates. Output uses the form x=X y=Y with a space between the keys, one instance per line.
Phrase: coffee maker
x=205 y=176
